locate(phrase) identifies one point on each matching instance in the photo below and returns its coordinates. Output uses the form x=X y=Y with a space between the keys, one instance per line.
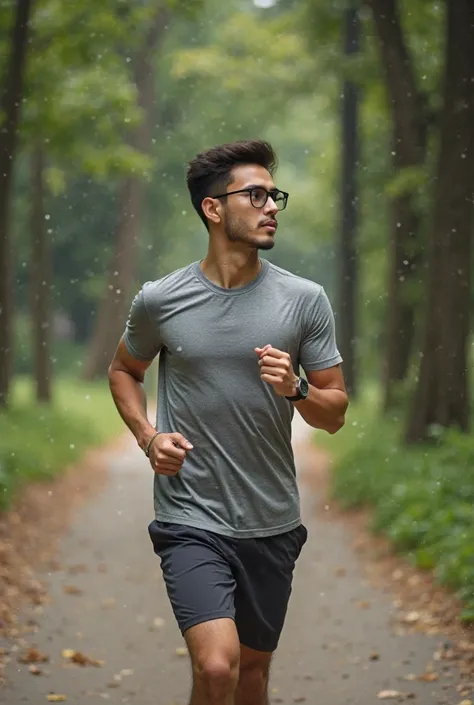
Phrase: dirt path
x=108 y=603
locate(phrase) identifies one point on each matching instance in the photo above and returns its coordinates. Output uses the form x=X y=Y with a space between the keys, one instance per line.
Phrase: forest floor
x=85 y=616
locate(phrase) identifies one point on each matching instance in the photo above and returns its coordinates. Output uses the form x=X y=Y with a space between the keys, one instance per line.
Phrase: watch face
x=304 y=386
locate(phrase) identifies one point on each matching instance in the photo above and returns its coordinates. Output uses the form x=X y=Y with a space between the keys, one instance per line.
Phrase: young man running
x=232 y=331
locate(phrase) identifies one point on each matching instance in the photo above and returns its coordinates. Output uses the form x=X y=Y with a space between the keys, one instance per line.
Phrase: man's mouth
x=270 y=225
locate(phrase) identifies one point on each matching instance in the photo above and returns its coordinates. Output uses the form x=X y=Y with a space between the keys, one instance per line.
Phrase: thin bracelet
x=147 y=449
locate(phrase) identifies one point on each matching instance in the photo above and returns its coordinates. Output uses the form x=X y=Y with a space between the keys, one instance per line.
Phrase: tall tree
x=409 y=119
x=10 y=104
x=113 y=307
x=40 y=268
x=347 y=256
x=441 y=396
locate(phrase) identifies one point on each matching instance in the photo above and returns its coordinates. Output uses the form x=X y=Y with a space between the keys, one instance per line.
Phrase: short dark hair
x=210 y=172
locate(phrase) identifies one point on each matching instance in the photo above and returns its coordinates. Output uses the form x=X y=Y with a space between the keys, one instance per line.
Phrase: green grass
x=422 y=496
x=39 y=441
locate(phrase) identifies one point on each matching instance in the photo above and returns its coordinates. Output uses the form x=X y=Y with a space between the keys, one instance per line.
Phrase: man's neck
x=231 y=270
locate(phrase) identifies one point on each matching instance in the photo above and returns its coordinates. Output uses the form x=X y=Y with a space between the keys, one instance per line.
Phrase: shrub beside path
x=106 y=629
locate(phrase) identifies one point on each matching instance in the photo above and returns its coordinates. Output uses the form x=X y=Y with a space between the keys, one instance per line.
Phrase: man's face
x=243 y=223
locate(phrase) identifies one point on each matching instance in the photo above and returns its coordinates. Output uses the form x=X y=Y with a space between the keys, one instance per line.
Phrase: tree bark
x=347 y=256
x=441 y=396
x=10 y=105
x=407 y=106
x=115 y=303
x=41 y=281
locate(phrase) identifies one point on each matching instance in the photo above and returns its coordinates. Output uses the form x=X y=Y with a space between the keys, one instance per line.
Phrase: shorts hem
x=209 y=617
x=271 y=650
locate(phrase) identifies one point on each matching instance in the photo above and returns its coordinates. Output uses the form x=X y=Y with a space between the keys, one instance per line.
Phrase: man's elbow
x=336 y=425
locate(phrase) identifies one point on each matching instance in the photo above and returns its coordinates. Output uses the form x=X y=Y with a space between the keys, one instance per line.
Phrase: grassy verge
x=422 y=497
x=37 y=442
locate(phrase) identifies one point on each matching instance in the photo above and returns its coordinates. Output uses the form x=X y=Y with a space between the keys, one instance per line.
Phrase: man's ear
x=212 y=209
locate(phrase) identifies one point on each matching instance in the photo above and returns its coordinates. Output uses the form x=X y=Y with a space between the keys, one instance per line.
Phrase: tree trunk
x=441 y=397
x=41 y=281
x=12 y=91
x=347 y=256
x=407 y=106
x=115 y=303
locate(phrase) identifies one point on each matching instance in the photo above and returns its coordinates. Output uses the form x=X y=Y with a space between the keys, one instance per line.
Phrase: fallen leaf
x=181 y=651
x=466 y=702
x=80 y=658
x=72 y=590
x=108 y=602
x=158 y=623
x=55 y=698
x=374 y=656
x=428 y=677
x=77 y=568
x=33 y=655
x=394 y=695
x=363 y=604
x=126 y=672
x=411 y=617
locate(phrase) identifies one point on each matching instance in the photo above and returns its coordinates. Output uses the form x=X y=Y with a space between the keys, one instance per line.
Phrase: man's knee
x=214 y=650
x=216 y=674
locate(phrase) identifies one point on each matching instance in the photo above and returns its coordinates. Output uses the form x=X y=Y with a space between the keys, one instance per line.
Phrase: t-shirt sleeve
x=141 y=335
x=318 y=349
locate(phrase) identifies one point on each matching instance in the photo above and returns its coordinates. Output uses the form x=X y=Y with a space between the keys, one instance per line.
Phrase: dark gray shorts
x=209 y=576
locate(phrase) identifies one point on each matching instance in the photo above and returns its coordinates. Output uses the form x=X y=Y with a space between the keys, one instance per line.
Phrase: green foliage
x=38 y=442
x=422 y=496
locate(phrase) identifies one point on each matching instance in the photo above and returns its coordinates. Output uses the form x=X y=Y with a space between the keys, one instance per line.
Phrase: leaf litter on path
x=80 y=658
x=394 y=695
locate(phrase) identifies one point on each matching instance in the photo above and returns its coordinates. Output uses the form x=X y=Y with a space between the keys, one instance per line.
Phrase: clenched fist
x=167 y=453
x=276 y=369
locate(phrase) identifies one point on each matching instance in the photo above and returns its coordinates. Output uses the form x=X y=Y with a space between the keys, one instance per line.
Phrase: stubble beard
x=237 y=231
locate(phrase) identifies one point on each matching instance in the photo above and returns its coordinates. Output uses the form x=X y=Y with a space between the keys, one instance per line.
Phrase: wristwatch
x=302 y=390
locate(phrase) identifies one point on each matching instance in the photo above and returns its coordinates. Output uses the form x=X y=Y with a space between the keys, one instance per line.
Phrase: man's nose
x=270 y=206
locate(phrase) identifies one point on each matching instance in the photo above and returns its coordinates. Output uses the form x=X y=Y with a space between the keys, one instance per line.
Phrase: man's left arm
x=327 y=402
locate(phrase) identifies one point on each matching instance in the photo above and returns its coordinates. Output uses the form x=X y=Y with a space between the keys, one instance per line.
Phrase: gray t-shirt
x=239 y=480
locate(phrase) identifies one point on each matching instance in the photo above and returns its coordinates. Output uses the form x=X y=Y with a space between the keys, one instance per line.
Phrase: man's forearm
x=323 y=408
x=130 y=400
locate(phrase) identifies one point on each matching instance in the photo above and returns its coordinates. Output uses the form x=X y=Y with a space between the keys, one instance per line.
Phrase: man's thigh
x=264 y=574
x=197 y=574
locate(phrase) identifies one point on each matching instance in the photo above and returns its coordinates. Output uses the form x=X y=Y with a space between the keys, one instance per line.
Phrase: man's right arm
x=126 y=375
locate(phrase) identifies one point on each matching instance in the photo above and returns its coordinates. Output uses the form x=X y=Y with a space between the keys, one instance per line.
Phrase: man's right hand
x=167 y=453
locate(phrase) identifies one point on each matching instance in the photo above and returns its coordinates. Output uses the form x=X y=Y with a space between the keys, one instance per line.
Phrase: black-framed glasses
x=259 y=196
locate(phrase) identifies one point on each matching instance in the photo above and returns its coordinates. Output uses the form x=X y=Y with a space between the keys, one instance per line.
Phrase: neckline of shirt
x=234 y=291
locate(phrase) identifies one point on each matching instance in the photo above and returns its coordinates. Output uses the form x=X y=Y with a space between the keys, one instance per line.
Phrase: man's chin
x=264 y=243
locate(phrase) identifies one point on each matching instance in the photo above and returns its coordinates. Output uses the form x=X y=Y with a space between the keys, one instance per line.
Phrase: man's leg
x=201 y=587
x=214 y=649
x=252 y=686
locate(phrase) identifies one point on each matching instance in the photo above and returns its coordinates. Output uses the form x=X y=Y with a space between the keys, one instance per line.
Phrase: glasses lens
x=259 y=197
x=280 y=199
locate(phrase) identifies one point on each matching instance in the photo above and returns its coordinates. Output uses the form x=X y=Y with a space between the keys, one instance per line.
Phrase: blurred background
x=370 y=108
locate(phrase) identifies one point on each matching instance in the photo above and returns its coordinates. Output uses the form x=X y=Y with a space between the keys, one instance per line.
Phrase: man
x=232 y=331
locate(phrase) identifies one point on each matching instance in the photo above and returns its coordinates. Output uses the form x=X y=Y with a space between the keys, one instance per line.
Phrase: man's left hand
x=276 y=369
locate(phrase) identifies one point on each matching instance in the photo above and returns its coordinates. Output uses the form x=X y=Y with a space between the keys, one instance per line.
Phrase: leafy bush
x=38 y=441
x=422 y=496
